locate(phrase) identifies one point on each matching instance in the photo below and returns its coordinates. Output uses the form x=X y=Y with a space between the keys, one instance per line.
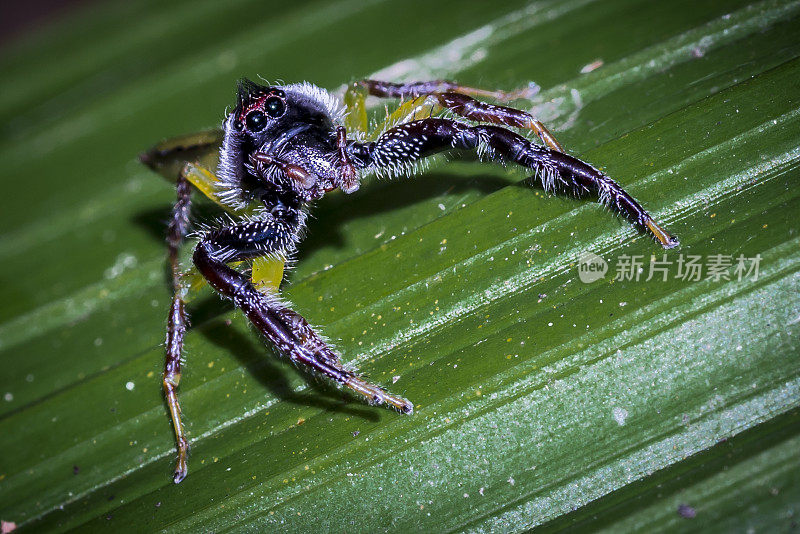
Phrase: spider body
x=283 y=147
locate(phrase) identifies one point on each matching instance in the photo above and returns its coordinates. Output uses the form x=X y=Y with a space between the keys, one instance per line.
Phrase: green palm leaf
x=541 y=400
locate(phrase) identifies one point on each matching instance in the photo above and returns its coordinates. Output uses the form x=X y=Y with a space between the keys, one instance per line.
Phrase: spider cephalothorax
x=285 y=146
x=279 y=139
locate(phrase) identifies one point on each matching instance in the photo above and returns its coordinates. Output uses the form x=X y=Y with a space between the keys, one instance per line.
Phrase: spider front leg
x=559 y=173
x=455 y=98
x=285 y=328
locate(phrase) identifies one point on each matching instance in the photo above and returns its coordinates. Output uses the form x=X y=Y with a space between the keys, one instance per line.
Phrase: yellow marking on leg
x=268 y=274
x=415 y=109
x=355 y=104
x=267 y=271
x=205 y=181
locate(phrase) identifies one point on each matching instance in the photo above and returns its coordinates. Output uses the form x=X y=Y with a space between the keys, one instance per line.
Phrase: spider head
x=292 y=121
x=258 y=113
x=268 y=115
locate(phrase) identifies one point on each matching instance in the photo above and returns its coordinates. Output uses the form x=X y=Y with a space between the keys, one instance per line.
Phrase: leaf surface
x=542 y=401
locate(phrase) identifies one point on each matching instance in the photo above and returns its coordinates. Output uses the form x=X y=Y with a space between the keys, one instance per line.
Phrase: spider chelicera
x=283 y=147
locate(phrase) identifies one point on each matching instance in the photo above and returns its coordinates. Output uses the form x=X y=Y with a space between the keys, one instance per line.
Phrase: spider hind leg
x=455 y=98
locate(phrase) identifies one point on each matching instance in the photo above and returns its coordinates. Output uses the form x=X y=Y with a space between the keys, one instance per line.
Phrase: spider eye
x=274 y=106
x=256 y=121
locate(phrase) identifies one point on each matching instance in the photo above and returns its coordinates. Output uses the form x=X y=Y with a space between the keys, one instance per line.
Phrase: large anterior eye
x=256 y=121
x=274 y=107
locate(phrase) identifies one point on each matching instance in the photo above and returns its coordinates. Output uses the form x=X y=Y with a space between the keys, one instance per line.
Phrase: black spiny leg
x=176 y=323
x=454 y=97
x=285 y=328
x=558 y=172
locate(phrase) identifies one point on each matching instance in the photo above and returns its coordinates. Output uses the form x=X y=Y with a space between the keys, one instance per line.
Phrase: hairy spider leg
x=188 y=154
x=445 y=86
x=422 y=107
x=267 y=274
x=455 y=98
x=449 y=95
x=176 y=322
x=285 y=328
x=558 y=172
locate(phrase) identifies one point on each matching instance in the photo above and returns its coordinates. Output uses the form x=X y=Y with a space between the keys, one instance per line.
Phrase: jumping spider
x=282 y=147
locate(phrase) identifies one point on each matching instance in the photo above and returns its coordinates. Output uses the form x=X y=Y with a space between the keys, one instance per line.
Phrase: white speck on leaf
x=123 y=262
x=620 y=414
x=594 y=65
